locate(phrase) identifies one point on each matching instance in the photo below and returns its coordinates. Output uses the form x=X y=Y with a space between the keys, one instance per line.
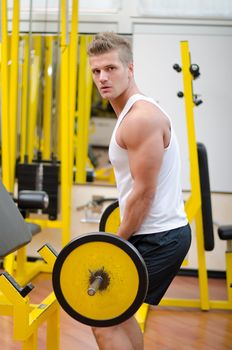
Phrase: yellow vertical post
x=229 y=273
x=193 y=206
x=31 y=343
x=88 y=97
x=13 y=91
x=6 y=170
x=84 y=107
x=4 y=99
x=34 y=95
x=73 y=78
x=47 y=106
x=65 y=125
x=53 y=336
x=23 y=126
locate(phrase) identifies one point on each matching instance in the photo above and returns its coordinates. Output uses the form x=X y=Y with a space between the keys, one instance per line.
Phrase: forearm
x=136 y=210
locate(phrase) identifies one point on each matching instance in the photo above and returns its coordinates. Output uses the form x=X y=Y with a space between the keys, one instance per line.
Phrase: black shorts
x=163 y=253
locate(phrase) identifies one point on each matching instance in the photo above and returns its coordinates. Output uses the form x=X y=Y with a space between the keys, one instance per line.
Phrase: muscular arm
x=143 y=138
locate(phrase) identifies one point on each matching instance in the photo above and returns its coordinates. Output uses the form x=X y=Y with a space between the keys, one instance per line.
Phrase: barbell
x=100 y=279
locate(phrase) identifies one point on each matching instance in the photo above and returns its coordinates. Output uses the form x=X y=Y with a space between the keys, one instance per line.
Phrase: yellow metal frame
x=34 y=97
x=105 y=174
x=65 y=123
x=13 y=91
x=25 y=271
x=84 y=108
x=193 y=207
x=193 y=204
x=5 y=99
x=24 y=94
x=5 y=115
x=47 y=106
x=73 y=59
x=27 y=317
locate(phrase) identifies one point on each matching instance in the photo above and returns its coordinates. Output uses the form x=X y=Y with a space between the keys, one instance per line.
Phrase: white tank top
x=167 y=210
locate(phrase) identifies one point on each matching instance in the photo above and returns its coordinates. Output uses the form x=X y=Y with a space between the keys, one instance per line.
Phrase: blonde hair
x=108 y=41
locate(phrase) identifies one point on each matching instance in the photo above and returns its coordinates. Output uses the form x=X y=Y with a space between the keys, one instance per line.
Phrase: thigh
x=163 y=254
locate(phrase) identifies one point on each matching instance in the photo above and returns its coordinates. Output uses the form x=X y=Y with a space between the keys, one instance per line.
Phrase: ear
x=131 y=68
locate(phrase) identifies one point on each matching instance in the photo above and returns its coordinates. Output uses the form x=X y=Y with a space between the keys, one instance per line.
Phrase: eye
x=111 y=68
x=96 y=71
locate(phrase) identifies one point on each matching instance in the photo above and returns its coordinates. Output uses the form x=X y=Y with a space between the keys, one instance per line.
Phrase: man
x=145 y=156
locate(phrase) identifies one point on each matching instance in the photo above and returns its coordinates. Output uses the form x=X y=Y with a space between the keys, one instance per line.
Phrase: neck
x=119 y=102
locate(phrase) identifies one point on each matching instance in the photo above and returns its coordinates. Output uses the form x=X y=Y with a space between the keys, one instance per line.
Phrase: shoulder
x=145 y=122
x=145 y=115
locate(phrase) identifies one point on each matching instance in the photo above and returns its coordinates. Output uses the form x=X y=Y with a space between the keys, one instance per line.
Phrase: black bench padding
x=225 y=232
x=34 y=228
x=14 y=232
x=205 y=197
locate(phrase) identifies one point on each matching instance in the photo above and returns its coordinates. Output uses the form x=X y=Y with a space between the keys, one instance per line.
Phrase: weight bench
x=27 y=201
x=15 y=234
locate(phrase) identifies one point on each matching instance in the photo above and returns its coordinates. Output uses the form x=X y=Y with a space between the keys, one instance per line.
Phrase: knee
x=102 y=334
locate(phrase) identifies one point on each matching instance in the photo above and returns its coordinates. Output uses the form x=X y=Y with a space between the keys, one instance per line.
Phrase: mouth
x=105 y=88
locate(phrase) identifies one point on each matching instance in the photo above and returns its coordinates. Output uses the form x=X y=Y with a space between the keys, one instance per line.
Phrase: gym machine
x=198 y=206
x=17 y=86
x=14 y=299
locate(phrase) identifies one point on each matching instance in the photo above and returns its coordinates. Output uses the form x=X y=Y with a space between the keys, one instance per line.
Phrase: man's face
x=110 y=75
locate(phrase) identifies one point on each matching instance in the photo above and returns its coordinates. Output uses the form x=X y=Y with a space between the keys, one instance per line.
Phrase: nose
x=103 y=76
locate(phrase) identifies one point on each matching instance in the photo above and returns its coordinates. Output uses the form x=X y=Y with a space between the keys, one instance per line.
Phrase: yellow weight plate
x=110 y=219
x=123 y=280
x=126 y=277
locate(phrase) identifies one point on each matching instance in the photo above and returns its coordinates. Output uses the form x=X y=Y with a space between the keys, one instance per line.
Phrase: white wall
x=118 y=15
x=156 y=49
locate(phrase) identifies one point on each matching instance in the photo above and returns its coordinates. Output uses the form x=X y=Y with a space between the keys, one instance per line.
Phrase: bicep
x=145 y=152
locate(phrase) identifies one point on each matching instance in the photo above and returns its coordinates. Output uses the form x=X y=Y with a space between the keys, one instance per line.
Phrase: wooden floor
x=167 y=328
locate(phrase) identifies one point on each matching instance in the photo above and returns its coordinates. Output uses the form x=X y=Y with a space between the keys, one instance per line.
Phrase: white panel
x=183 y=8
x=99 y=6
x=155 y=55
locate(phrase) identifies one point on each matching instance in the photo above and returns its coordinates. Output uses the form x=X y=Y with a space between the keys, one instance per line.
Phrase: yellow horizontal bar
x=220 y=304
x=180 y=302
x=193 y=303
x=41 y=312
